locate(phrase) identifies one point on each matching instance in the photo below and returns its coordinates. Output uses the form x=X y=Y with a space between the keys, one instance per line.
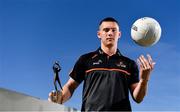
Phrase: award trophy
x=56 y=69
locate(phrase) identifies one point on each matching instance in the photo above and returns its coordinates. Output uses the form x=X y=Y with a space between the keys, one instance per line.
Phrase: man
x=108 y=75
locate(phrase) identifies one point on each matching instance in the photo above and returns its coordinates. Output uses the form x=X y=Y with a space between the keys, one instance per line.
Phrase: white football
x=146 y=31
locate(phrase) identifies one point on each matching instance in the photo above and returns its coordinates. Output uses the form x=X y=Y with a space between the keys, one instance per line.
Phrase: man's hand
x=146 y=66
x=64 y=94
x=56 y=97
x=139 y=89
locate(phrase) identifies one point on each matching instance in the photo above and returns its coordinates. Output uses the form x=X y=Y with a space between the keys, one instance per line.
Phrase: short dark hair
x=108 y=19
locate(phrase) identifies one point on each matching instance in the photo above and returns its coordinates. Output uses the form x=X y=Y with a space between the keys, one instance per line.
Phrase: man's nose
x=110 y=33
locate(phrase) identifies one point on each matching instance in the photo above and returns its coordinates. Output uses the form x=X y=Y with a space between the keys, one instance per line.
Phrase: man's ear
x=119 y=34
x=98 y=34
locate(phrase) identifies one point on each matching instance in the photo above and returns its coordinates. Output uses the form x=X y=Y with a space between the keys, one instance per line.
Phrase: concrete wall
x=14 y=101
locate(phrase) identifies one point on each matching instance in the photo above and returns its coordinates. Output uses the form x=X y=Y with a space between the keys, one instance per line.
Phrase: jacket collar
x=101 y=52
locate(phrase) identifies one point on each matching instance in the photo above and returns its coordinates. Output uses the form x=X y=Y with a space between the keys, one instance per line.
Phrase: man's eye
x=113 y=30
x=106 y=29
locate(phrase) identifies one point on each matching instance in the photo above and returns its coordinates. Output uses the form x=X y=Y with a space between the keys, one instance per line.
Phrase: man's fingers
x=139 y=63
x=52 y=96
x=151 y=62
x=49 y=97
x=144 y=62
x=55 y=96
x=59 y=97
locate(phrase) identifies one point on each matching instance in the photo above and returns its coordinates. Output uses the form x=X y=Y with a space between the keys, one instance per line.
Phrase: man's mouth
x=109 y=39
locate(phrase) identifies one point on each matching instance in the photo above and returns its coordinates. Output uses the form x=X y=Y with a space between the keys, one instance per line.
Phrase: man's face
x=109 y=33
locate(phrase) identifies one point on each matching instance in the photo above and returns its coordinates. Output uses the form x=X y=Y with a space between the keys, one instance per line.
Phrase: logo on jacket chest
x=121 y=64
x=97 y=62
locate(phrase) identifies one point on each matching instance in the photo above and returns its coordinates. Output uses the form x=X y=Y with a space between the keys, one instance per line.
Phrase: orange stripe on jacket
x=108 y=69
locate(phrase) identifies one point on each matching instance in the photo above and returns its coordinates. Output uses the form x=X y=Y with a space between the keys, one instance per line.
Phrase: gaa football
x=146 y=31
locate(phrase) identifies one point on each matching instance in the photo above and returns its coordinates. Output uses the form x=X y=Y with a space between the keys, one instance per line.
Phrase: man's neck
x=109 y=50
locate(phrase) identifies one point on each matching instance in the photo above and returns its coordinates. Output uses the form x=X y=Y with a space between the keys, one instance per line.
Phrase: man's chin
x=110 y=45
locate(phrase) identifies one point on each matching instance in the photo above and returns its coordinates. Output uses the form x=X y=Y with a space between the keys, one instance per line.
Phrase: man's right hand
x=65 y=94
x=55 y=96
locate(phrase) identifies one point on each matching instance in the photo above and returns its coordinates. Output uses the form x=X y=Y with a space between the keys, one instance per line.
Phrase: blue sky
x=35 y=33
